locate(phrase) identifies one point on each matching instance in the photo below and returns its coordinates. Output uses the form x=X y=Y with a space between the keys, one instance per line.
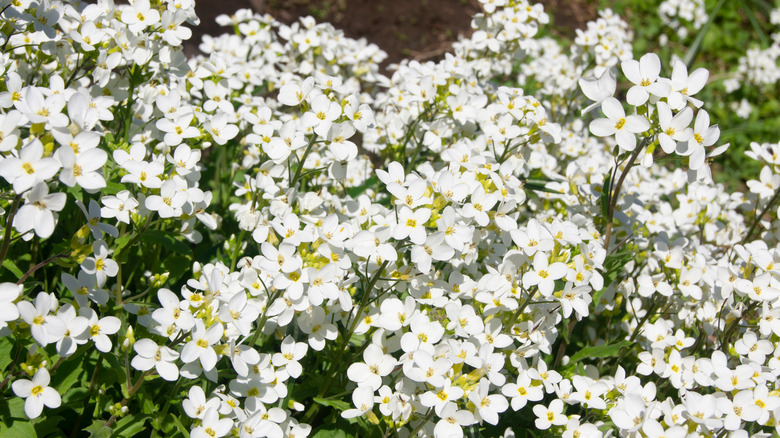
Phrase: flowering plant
x=275 y=239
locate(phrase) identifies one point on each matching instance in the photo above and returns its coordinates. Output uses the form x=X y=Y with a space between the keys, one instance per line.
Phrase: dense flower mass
x=274 y=238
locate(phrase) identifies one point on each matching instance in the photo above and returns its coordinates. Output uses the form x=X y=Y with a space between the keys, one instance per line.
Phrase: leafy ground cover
x=531 y=235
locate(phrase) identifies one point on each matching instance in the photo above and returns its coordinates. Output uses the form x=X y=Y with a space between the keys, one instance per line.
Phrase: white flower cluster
x=678 y=14
x=424 y=246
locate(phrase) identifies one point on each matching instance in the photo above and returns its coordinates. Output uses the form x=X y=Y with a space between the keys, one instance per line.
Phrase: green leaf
x=130 y=425
x=608 y=350
x=540 y=188
x=112 y=188
x=331 y=431
x=117 y=367
x=18 y=429
x=6 y=349
x=76 y=192
x=14 y=422
x=75 y=397
x=12 y=408
x=613 y=266
x=167 y=240
x=356 y=191
x=49 y=425
x=605 y=196
x=70 y=372
x=183 y=430
x=8 y=264
x=338 y=404
x=98 y=429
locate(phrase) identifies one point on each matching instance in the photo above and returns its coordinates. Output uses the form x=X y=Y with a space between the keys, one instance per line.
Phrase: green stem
x=92 y=383
x=236 y=250
x=757 y=219
x=133 y=240
x=11 y=370
x=306 y=152
x=364 y=301
x=130 y=394
x=164 y=410
x=615 y=194
x=40 y=265
x=8 y=225
x=423 y=422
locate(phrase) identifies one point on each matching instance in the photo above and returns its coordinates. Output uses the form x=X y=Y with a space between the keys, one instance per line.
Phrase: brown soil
x=416 y=29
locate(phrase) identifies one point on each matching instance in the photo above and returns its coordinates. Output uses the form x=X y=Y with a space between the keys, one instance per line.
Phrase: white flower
x=291 y=353
x=151 y=355
x=451 y=421
x=30 y=168
x=673 y=129
x=219 y=128
x=118 y=206
x=212 y=426
x=84 y=169
x=99 y=329
x=38 y=211
x=139 y=15
x=644 y=74
x=74 y=327
x=294 y=94
x=488 y=405
x=411 y=224
x=45 y=328
x=100 y=265
x=200 y=347
x=684 y=86
x=548 y=416
x=362 y=399
x=9 y=292
x=522 y=391
x=543 y=274
x=623 y=127
x=37 y=393
x=598 y=90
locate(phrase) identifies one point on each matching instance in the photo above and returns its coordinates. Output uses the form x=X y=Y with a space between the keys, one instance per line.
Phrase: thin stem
x=298 y=171
x=236 y=250
x=757 y=219
x=130 y=394
x=422 y=424
x=616 y=192
x=92 y=383
x=312 y=411
x=11 y=370
x=40 y=265
x=8 y=225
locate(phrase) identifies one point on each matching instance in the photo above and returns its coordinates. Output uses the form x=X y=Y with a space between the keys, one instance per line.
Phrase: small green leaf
x=98 y=429
x=356 y=191
x=331 y=431
x=8 y=264
x=117 y=367
x=608 y=350
x=605 y=196
x=167 y=240
x=70 y=372
x=6 y=352
x=540 y=188
x=18 y=429
x=112 y=188
x=338 y=404
x=183 y=430
x=130 y=426
x=50 y=425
